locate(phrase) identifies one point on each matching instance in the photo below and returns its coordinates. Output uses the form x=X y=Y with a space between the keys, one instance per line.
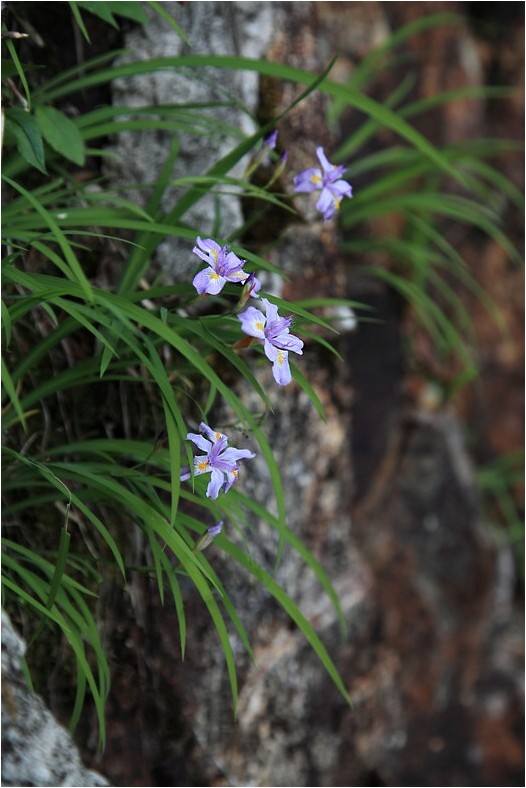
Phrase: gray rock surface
x=36 y=749
x=221 y=28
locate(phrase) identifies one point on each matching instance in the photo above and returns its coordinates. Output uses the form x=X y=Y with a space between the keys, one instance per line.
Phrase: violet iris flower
x=277 y=341
x=219 y=459
x=333 y=188
x=223 y=267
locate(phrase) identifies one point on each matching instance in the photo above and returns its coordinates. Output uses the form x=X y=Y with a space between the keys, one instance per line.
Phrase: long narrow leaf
x=60 y=238
x=291 y=609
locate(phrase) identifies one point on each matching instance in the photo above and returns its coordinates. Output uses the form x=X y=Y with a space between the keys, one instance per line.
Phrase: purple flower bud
x=215 y=530
x=208 y=536
x=250 y=290
x=271 y=140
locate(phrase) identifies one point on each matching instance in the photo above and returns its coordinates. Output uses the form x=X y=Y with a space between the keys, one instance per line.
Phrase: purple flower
x=333 y=188
x=223 y=267
x=208 y=536
x=277 y=341
x=220 y=461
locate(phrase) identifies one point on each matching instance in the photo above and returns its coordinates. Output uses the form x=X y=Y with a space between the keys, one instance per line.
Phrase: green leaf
x=60 y=567
x=101 y=10
x=352 y=97
x=291 y=609
x=308 y=389
x=61 y=133
x=80 y=22
x=6 y=324
x=178 y=600
x=20 y=69
x=300 y=548
x=24 y=128
x=52 y=615
x=7 y=383
x=59 y=237
x=130 y=10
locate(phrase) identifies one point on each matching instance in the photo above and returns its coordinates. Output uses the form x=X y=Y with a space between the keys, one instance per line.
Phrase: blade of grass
x=292 y=611
x=74 y=265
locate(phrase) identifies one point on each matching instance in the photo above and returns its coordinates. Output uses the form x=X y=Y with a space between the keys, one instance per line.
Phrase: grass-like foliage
x=164 y=359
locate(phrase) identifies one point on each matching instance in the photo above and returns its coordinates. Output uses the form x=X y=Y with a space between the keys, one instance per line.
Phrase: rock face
x=36 y=750
x=222 y=28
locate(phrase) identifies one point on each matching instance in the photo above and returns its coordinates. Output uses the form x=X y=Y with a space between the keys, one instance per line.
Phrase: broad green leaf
x=26 y=132
x=60 y=133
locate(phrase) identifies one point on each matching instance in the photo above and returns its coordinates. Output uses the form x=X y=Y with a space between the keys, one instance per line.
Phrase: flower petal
x=201 y=465
x=215 y=484
x=232 y=455
x=216 y=451
x=207 y=250
x=231 y=478
x=308 y=180
x=212 y=435
x=326 y=204
x=232 y=263
x=322 y=158
x=253 y=322
x=236 y=276
x=287 y=341
x=341 y=188
x=271 y=350
x=208 y=281
x=281 y=369
x=271 y=311
x=199 y=441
